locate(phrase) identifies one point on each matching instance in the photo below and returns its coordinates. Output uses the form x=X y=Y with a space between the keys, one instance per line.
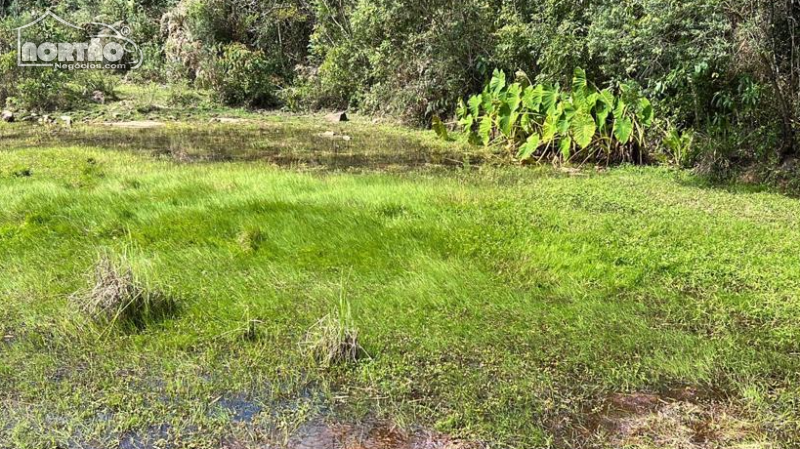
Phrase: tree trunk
x=788 y=146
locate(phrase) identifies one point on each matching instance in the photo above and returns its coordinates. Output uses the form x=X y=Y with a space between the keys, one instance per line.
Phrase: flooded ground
x=275 y=254
x=302 y=144
x=319 y=435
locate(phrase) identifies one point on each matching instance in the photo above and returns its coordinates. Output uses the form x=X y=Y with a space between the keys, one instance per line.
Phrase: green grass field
x=507 y=307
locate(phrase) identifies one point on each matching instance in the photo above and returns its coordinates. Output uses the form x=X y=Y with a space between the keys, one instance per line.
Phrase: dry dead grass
x=117 y=296
x=643 y=421
x=333 y=340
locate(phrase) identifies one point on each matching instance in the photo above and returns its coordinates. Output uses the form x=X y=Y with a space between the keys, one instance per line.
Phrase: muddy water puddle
x=284 y=144
x=240 y=409
x=314 y=435
x=319 y=435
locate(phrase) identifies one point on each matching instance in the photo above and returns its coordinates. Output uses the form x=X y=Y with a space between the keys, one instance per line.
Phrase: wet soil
x=280 y=144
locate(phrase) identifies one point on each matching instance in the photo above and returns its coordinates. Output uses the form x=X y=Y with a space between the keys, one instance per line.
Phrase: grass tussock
x=117 y=296
x=333 y=340
x=250 y=239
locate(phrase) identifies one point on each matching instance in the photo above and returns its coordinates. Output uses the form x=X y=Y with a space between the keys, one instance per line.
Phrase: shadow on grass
x=748 y=179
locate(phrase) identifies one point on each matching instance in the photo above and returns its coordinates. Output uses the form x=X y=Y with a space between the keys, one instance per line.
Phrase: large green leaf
x=514 y=97
x=565 y=147
x=645 y=111
x=623 y=128
x=498 y=82
x=583 y=129
x=506 y=119
x=526 y=123
x=580 y=85
x=568 y=109
x=532 y=98
x=619 y=109
x=579 y=81
x=563 y=124
x=461 y=110
x=603 y=107
x=549 y=99
x=487 y=102
x=549 y=129
x=485 y=129
x=565 y=112
x=529 y=148
x=589 y=101
x=475 y=105
x=607 y=97
x=467 y=122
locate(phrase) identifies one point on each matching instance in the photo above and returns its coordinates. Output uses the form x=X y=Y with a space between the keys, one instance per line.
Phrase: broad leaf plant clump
x=546 y=122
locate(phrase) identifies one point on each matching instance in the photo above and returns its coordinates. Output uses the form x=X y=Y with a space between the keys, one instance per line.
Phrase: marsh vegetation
x=478 y=303
x=402 y=224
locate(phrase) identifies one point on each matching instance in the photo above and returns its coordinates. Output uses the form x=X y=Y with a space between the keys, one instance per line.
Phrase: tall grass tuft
x=333 y=340
x=118 y=297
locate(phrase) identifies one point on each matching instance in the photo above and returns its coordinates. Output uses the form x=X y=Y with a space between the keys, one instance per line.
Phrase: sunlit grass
x=493 y=302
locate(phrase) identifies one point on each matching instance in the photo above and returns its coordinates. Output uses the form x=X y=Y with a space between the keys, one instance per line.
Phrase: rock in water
x=337 y=117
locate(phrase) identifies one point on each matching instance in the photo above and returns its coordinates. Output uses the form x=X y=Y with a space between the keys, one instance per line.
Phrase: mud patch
x=287 y=145
x=682 y=420
x=320 y=435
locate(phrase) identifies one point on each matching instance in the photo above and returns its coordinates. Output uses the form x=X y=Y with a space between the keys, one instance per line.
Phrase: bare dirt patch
x=141 y=124
x=229 y=120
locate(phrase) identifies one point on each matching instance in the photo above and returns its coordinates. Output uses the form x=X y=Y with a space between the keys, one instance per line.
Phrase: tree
x=767 y=34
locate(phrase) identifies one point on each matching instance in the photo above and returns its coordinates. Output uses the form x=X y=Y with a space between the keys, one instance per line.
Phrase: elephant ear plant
x=547 y=122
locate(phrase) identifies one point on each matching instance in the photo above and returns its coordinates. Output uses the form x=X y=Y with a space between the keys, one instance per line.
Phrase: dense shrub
x=766 y=38
x=8 y=76
x=33 y=88
x=418 y=58
x=407 y=58
x=279 y=30
x=728 y=70
x=709 y=65
x=45 y=89
x=237 y=75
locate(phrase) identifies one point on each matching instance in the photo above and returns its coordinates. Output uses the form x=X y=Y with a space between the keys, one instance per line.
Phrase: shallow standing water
x=284 y=144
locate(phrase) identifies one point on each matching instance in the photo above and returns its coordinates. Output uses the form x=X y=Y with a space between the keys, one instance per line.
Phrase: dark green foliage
x=237 y=75
x=706 y=64
x=407 y=58
x=767 y=34
x=713 y=66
